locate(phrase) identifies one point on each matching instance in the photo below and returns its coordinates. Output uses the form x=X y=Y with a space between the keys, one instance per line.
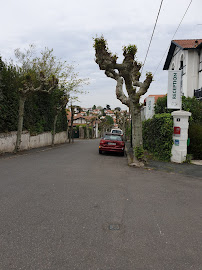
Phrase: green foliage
x=194 y=106
x=109 y=120
x=161 y=106
x=39 y=107
x=9 y=97
x=130 y=49
x=189 y=157
x=195 y=128
x=100 y=43
x=157 y=136
x=188 y=104
x=195 y=135
x=139 y=152
x=149 y=74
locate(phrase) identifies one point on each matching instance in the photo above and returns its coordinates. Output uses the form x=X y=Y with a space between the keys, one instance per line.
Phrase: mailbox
x=177 y=131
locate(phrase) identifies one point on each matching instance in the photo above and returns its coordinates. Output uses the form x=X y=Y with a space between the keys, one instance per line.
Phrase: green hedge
x=195 y=135
x=157 y=136
x=39 y=107
x=195 y=122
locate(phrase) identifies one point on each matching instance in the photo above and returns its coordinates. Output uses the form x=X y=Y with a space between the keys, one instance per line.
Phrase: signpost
x=174 y=89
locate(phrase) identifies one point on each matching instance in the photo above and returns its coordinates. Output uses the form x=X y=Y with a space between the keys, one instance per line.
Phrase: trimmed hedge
x=195 y=122
x=157 y=136
x=195 y=135
x=39 y=107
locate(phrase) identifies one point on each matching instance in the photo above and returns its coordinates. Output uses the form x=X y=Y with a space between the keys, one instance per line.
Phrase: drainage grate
x=114 y=227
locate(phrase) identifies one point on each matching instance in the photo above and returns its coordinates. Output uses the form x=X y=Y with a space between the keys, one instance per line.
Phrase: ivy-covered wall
x=157 y=136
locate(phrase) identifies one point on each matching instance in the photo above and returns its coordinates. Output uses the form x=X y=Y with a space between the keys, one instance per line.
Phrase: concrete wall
x=8 y=140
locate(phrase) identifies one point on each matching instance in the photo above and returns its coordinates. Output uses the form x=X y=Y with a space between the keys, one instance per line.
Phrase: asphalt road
x=70 y=208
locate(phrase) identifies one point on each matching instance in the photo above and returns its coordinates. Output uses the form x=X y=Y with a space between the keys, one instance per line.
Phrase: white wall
x=192 y=78
x=200 y=73
x=193 y=75
x=8 y=140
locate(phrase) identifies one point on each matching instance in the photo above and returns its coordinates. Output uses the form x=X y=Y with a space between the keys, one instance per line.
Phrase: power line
x=173 y=36
x=152 y=35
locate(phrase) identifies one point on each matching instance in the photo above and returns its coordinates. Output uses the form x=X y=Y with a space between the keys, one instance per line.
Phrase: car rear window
x=112 y=138
x=116 y=131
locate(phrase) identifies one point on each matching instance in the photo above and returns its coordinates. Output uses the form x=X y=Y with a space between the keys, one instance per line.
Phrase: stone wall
x=8 y=140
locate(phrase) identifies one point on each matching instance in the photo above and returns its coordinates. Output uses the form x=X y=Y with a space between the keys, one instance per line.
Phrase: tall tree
x=61 y=100
x=33 y=79
x=127 y=72
x=44 y=73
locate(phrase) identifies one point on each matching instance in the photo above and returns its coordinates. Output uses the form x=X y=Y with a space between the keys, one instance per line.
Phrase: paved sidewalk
x=193 y=169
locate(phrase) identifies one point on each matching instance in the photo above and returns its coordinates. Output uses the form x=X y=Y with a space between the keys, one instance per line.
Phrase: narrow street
x=70 y=208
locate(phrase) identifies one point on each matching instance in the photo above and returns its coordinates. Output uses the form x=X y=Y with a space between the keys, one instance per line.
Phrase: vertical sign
x=174 y=90
x=150 y=102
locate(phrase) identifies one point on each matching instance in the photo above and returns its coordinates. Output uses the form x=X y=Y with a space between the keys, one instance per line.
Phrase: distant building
x=148 y=109
x=186 y=55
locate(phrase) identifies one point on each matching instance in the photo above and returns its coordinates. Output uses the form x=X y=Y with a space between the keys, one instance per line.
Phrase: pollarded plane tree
x=32 y=82
x=45 y=73
x=127 y=72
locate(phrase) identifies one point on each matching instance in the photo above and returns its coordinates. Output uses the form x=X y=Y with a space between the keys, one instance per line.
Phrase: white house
x=186 y=55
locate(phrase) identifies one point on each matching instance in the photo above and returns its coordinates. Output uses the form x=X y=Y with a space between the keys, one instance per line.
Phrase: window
x=112 y=138
x=182 y=65
x=200 y=62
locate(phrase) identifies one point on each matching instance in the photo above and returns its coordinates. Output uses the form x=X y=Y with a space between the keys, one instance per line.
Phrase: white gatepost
x=180 y=136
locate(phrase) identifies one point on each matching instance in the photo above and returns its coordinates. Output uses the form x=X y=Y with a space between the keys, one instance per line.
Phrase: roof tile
x=188 y=43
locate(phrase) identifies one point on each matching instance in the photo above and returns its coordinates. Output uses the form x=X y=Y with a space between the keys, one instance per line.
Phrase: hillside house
x=186 y=55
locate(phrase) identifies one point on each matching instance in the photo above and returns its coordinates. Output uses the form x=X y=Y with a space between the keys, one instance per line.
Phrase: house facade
x=186 y=55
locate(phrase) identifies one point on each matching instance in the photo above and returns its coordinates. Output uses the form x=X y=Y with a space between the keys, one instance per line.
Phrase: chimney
x=196 y=43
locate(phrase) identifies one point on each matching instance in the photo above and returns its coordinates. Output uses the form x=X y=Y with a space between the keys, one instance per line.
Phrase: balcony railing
x=198 y=93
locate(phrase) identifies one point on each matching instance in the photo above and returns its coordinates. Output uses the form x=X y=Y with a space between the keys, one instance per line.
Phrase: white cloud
x=69 y=26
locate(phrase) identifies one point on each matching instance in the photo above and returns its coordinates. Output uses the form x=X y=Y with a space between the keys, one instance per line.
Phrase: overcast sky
x=69 y=27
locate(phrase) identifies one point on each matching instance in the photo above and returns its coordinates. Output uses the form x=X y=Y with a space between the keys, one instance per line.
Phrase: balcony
x=198 y=93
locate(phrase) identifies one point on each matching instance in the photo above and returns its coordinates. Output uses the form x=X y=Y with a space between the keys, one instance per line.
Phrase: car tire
x=100 y=152
x=122 y=154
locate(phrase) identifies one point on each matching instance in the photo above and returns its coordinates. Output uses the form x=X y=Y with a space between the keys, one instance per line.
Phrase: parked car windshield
x=112 y=138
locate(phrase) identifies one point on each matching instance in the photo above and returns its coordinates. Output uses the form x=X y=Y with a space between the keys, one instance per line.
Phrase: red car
x=112 y=143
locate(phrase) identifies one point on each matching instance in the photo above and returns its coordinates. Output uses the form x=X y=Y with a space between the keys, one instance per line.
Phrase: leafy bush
x=195 y=128
x=139 y=152
x=195 y=135
x=157 y=136
x=188 y=104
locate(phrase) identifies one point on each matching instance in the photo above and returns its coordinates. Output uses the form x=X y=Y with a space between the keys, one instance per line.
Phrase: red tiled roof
x=156 y=97
x=188 y=43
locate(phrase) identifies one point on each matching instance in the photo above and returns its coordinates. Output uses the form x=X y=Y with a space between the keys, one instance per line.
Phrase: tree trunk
x=71 y=133
x=20 y=122
x=54 y=128
x=87 y=132
x=136 y=130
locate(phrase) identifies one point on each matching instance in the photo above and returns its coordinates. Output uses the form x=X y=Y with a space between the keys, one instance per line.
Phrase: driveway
x=68 y=207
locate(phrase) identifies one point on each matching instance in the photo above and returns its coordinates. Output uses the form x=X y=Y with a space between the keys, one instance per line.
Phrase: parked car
x=117 y=131
x=112 y=143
